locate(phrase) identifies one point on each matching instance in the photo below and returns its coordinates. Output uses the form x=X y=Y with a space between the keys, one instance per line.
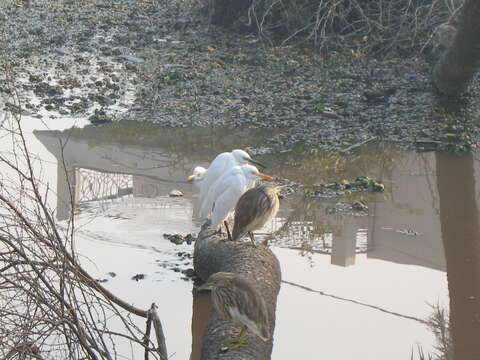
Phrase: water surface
x=356 y=284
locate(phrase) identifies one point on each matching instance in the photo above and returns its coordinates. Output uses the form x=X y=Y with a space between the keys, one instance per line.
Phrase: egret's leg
x=252 y=238
x=228 y=230
x=237 y=341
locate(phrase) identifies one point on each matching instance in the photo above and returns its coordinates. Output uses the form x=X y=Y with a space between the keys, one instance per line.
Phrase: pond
x=365 y=284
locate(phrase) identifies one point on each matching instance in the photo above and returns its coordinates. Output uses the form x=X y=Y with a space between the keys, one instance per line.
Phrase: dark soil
x=156 y=61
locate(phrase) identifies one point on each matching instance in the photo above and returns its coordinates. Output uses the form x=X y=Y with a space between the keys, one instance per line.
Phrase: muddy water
x=356 y=284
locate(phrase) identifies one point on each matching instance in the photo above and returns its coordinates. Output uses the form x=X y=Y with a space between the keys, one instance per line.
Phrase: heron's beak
x=256 y=163
x=204 y=287
x=191 y=178
x=265 y=176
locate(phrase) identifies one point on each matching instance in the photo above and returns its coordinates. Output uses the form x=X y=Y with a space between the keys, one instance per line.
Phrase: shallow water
x=356 y=284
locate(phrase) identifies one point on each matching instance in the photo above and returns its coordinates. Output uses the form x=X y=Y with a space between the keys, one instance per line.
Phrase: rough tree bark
x=455 y=70
x=213 y=254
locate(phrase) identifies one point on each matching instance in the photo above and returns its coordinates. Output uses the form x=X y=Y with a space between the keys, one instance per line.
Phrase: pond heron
x=236 y=298
x=224 y=194
x=254 y=209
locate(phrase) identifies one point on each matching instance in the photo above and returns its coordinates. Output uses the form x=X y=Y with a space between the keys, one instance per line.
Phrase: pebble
x=175 y=193
x=132 y=59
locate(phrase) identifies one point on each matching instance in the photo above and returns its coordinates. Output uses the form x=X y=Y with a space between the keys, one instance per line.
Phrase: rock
x=189 y=238
x=138 y=277
x=378 y=187
x=175 y=193
x=61 y=51
x=189 y=273
x=329 y=114
x=177 y=239
x=359 y=206
x=99 y=117
x=131 y=59
x=136 y=107
x=362 y=181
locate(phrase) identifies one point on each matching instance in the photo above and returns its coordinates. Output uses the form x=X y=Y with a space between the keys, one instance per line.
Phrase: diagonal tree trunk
x=213 y=254
x=455 y=70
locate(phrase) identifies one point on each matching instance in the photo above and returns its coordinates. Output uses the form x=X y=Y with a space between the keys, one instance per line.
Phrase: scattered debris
x=333 y=109
x=139 y=277
x=190 y=273
x=359 y=206
x=178 y=239
x=129 y=58
x=345 y=187
x=100 y=117
x=407 y=232
x=175 y=193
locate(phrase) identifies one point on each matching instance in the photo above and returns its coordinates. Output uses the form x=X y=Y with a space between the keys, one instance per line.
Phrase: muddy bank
x=157 y=62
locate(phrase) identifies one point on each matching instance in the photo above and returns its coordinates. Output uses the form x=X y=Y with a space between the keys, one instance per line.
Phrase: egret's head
x=242 y=157
x=197 y=174
x=252 y=173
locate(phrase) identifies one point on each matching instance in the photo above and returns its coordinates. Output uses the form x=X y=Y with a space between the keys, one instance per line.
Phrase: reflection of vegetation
x=315 y=167
x=456 y=126
x=184 y=145
x=439 y=325
x=200 y=144
x=192 y=142
x=307 y=227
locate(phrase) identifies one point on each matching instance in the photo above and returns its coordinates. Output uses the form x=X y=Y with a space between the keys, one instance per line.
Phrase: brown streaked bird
x=236 y=298
x=254 y=209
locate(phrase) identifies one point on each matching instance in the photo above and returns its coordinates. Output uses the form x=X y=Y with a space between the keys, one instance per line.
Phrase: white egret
x=219 y=166
x=197 y=176
x=224 y=193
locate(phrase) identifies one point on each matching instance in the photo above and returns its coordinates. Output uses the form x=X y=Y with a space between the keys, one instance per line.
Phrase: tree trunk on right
x=225 y=12
x=455 y=70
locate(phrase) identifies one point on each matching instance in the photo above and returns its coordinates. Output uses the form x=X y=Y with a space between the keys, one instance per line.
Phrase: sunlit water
x=355 y=285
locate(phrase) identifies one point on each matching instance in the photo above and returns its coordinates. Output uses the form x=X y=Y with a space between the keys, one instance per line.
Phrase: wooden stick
x=357 y=145
x=146 y=339
x=162 y=347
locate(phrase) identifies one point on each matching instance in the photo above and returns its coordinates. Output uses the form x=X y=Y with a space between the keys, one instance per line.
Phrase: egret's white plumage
x=219 y=166
x=197 y=176
x=224 y=193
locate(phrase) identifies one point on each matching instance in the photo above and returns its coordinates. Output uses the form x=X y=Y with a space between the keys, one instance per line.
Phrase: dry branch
x=47 y=300
x=370 y=26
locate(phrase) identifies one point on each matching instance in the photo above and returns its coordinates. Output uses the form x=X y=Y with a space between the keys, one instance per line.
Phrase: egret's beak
x=191 y=178
x=256 y=162
x=265 y=176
